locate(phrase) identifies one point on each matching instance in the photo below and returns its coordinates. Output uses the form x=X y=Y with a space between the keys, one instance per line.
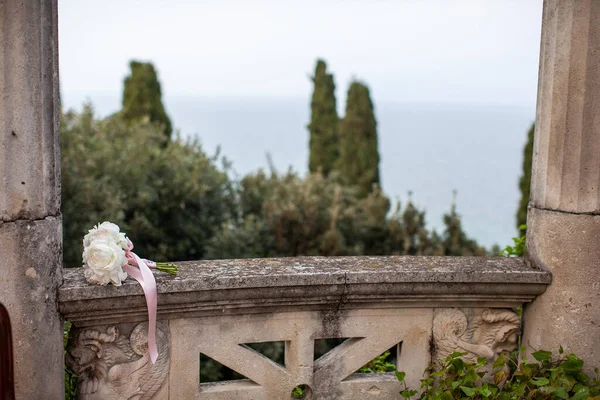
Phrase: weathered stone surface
x=563 y=234
x=312 y=283
x=376 y=303
x=30 y=274
x=30 y=224
x=246 y=273
x=566 y=175
x=29 y=140
x=568 y=314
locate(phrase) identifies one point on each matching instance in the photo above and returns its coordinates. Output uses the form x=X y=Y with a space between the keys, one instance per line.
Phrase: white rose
x=103 y=262
x=106 y=231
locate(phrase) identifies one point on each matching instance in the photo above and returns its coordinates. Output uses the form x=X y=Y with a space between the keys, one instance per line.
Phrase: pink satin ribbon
x=144 y=276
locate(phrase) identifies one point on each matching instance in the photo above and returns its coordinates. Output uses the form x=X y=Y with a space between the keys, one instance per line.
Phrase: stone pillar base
x=31 y=250
x=568 y=313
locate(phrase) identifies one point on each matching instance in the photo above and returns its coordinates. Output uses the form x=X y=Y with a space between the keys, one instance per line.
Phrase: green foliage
x=518 y=248
x=378 y=365
x=70 y=377
x=286 y=215
x=176 y=204
x=213 y=371
x=323 y=127
x=359 y=156
x=170 y=199
x=300 y=392
x=525 y=181
x=455 y=241
x=142 y=97
x=547 y=378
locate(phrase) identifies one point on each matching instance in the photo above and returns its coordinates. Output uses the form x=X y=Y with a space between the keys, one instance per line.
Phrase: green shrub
x=549 y=377
x=379 y=364
x=286 y=215
x=518 y=248
x=170 y=199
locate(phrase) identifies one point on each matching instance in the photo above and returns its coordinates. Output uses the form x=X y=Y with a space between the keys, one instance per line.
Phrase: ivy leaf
x=561 y=350
x=500 y=361
x=547 y=389
x=455 y=384
x=561 y=393
x=456 y=354
x=400 y=375
x=572 y=365
x=499 y=377
x=542 y=355
x=447 y=395
x=468 y=391
x=471 y=376
x=581 y=394
x=485 y=392
x=437 y=374
x=540 y=381
x=407 y=394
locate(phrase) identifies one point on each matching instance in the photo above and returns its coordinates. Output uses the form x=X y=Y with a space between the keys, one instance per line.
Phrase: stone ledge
x=218 y=287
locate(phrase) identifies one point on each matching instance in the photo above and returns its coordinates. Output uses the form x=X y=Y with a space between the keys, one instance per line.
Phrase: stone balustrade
x=424 y=307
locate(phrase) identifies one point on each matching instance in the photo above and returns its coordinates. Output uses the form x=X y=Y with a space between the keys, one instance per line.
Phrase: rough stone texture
x=313 y=283
x=566 y=176
x=563 y=234
x=568 y=314
x=29 y=141
x=31 y=254
x=369 y=333
x=30 y=224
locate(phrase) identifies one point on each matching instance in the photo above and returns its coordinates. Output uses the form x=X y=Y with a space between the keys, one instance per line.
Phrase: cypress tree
x=525 y=180
x=323 y=127
x=416 y=240
x=142 y=96
x=359 y=157
x=455 y=241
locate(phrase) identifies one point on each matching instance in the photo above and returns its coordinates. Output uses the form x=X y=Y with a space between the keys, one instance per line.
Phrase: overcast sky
x=484 y=51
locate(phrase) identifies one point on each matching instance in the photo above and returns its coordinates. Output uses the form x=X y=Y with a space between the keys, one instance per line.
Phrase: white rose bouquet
x=108 y=258
x=106 y=250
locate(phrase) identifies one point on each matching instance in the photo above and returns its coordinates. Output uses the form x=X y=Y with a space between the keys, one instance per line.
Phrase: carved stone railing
x=425 y=307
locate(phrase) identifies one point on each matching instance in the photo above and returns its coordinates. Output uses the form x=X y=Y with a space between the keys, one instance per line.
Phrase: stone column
x=30 y=222
x=563 y=232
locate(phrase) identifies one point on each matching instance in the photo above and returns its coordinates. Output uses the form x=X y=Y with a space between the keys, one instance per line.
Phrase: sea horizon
x=426 y=149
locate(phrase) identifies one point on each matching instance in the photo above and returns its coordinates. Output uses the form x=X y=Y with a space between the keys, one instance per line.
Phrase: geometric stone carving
x=330 y=377
x=112 y=366
x=479 y=332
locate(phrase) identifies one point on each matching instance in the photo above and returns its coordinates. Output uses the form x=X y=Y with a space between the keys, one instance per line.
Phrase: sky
x=425 y=51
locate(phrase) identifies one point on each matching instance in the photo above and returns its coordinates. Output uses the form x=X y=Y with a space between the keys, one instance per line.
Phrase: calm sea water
x=427 y=149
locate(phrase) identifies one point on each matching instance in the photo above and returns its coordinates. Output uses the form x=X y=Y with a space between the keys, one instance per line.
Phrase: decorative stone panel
x=478 y=332
x=113 y=363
